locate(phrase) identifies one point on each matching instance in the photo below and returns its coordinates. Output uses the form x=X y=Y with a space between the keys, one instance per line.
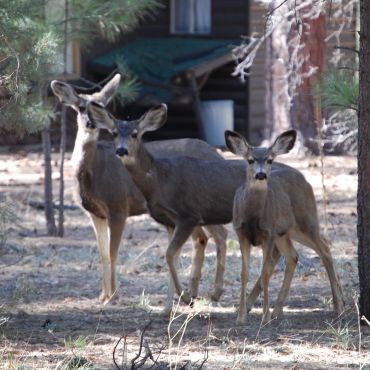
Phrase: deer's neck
x=141 y=167
x=84 y=150
x=255 y=198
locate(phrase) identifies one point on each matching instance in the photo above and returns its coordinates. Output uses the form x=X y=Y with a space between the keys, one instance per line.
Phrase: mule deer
x=105 y=190
x=181 y=192
x=271 y=207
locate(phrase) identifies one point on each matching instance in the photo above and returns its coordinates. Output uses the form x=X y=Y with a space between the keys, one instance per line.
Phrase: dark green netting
x=157 y=61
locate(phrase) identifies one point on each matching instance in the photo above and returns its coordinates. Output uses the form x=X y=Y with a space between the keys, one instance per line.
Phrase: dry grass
x=50 y=316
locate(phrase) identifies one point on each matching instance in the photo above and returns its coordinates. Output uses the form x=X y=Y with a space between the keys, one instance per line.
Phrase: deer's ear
x=65 y=92
x=106 y=94
x=154 y=119
x=284 y=142
x=236 y=143
x=99 y=116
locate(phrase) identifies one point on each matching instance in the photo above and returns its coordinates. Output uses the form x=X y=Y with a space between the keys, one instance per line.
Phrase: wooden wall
x=230 y=19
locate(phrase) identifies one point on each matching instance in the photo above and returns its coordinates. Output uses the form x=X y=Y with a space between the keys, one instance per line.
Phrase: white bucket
x=217 y=116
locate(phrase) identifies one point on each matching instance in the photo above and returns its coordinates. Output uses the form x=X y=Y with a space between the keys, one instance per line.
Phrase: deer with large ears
x=272 y=208
x=105 y=190
x=184 y=192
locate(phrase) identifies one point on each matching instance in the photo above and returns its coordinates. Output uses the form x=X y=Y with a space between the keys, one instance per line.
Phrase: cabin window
x=191 y=17
x=55 y=12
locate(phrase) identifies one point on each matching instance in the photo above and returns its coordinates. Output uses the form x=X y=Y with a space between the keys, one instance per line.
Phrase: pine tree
x=363 y=194
x=30 y=47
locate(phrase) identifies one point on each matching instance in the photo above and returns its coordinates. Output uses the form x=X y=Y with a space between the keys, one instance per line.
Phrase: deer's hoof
x=112 y=299
x=339 y=307
x=277 y=313
x=266 y=318
x=187 y=299
x=194 y=287
x=103 y=297
x=216 y=295
x=249 y=305
x=241 y=319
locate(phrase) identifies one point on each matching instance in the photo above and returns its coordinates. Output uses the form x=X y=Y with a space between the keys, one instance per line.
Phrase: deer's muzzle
x=90 y=125
x=121 y=151
x=261 y=176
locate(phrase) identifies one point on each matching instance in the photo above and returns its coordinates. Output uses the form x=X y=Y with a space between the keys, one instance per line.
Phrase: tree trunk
x=276 y=100
x=363 y=194
x=62 y=149
x=48 y=187
x=63 y=131
x=292 y=50
x=304 y=113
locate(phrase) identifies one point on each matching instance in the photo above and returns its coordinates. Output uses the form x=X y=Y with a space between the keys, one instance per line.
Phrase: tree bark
x=48 y=187
x=304 y=113
x=276 y=100
x=293 y=49
x=62 y=149
x=63 y=131
x=363 y=193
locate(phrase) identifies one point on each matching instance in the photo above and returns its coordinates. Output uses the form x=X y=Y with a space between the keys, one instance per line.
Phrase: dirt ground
x=50 y=317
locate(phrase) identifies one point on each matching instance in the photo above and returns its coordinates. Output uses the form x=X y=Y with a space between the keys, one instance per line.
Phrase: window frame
x=192 y=31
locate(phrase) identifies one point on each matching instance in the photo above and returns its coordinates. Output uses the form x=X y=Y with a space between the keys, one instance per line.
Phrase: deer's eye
x=269 y=161
x=250 y=160
x=114 y=134
x=134 y=134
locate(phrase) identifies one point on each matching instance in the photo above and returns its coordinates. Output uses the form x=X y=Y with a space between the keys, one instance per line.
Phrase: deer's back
x=194 y=148
x=198 y=190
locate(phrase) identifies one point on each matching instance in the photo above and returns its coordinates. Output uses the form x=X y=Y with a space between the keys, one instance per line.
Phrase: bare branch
x=115 y=348
x=347 y=48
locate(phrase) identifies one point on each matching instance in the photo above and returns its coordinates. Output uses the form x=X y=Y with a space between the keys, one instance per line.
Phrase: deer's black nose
x=89 y=124
x=261 y=176
x=121 y=151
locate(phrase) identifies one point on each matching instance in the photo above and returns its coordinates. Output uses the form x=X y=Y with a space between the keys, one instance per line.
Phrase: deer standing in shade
x=272 y=208
x=184 y=192
x=105 y=190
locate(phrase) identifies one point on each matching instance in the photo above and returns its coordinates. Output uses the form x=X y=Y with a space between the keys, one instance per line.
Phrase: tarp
x=155 y=61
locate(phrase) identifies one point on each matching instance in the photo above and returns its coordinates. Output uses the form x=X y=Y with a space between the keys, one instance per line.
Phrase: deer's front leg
x=102 y=237
x=179 y=237
x=245 y=248
x=116 y=226
x=267 y=268
x=257 y=289
x=286 y=248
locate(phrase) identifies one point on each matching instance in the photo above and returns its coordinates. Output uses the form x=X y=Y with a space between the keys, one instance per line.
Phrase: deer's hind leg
x=321 y=247
x=200 y=240
x=286 y=248
x=219 y=234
